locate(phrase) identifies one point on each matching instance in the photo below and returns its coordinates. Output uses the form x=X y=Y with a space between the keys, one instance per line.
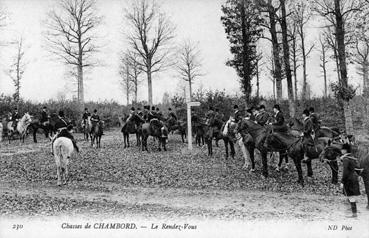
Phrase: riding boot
x=75 y=146
x=353 y=209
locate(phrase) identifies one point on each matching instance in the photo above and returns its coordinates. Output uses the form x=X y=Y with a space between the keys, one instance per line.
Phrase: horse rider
x=171 y=114
x=145 y=113
x=64 y=130
x=94 y=120
x=132 y=114
x=307 y=132
x=15 y=118
x=252 y=111
x=159 y=114
x=210 y=116
x=85 y=116
x=44 y=116
x=262 y=117
x=278 y=124
x=139 y=112
x=314 y=119
x=152 y=113
x=218 y=115
x=350 y=177
x=237 y=114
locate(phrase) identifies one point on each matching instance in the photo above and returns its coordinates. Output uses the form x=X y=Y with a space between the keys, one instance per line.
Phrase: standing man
x=44 y=117
x=262 y=117
x=350 y=179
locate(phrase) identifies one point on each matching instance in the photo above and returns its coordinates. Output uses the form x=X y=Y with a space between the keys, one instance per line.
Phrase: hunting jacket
x=44 y=117
x=279 y=119
x=307 y=126
x=350 y=179
x=86 y=115
x=262 y=118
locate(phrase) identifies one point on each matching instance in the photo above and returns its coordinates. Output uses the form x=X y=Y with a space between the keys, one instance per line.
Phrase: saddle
x=286 y=138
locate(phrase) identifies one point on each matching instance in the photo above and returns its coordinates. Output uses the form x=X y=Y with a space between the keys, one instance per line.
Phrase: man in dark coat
x=85 y=116
x=159 y=114
x=278 y=124
x=237 y=114
x=262 y=117
x=314 y=119
x=139 y=112
x=350 y=178
x=252 y=113
x=307 y=133
x=15 y=118
x=64 y=130
x=152 y=113
x=94 y=120
x=171 y=114
x=44 y=120
x=210 y=115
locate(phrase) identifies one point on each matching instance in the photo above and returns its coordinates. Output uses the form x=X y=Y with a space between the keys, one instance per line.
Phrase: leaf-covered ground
x=118 y=182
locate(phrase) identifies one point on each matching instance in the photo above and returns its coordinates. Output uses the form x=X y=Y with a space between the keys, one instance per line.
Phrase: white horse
x=22 y=126
x=63 y=149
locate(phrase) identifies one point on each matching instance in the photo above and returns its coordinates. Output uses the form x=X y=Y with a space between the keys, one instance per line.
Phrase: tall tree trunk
x=127 y=82
x=304 y=74
x=246 y=73
x=149 y=85
x=257 y=80
x=324 y=67
x=276 y=53
x=340 y=37
x=286 y=53
x=80 y=80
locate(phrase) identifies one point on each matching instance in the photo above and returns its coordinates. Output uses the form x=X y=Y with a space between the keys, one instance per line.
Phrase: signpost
x=189 y=125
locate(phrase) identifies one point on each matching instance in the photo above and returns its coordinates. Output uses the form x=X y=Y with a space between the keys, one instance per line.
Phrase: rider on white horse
x=64 y=130
x=15 y=118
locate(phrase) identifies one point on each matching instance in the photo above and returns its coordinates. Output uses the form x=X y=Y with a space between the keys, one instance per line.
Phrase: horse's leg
x=124 y=140
x=226 y=147
x=297 y=162
x=265 y=162
x=164 y=144
x=159 y=143
x=128 y=140
x=34 y=134
x=334 y=167
x=233 y=152
x=309 y=169
x=58 y=175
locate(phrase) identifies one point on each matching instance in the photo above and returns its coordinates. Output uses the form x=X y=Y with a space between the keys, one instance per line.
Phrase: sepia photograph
x=184 y=118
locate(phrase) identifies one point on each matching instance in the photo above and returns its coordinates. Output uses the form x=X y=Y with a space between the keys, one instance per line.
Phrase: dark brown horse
x=331 y=153
x=156 y=129
x=175 y=125
x=132 y=126
x=97 y=133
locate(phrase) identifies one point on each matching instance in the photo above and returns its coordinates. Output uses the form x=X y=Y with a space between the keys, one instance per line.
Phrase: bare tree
x=17 y=68
x=295 y=52
x=339 y=13
x=271 y=18
x=189 y=63
x=259 y=65
x=130 y=71
x=323 y=62
x=150 y=37
x=125 y=73
x=71 y=35
x=301 y=16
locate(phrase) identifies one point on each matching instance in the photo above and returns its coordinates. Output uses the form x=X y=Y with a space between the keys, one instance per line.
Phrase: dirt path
x=169 y=202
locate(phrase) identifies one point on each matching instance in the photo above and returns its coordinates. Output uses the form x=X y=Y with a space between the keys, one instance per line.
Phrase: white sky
x=198 y=20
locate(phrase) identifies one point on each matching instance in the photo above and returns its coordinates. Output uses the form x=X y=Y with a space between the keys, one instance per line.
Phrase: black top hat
x=153 y=108
x=276 y=106
x=95 y=110
x=235 y=107
x=61 y=113
x=311 y=109
x=69 y=127
x=261 y=107
x=346 y=147
x=306 y=112
x=157 y=109
x=169 y=109
x=133 y=109
x=86 y=109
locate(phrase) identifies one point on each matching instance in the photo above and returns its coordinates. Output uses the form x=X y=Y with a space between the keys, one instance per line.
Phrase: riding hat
x=346 y=147
x=157 y=109
x=261 y=107
x=133 y=109
x=69 y=127
x=169 y=109
x=86 y=109
x=211 y=108
x=61 y=113
x=235 y=107
x=153 y=108
x=306 y=112
x=311 y=109
x=276 y=106
x=95 y=110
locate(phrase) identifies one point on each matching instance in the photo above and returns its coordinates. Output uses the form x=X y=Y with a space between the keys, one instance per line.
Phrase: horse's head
x=330 y=153
x=26 y=119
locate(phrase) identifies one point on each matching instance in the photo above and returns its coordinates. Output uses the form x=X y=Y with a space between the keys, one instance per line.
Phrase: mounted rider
x=262 y=116
x=308 y=133
x=64 y=130
x=252 y=112
x=171 y=114
x=237 y=114
x=44 y=120
x=210 y=116
x=139 y=112
x=314 y=119
x=218 y=115
x=132 y=114
x=85 y=117
x=15 y=118
x=278 y=124
x=94 y=120
x=152 y=113
x=159 y=114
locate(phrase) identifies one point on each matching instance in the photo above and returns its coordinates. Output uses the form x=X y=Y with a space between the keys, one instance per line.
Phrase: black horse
x=97 y=132
x=48 y=128
x=175 y=125
x=132 y=126
x=156 y=129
